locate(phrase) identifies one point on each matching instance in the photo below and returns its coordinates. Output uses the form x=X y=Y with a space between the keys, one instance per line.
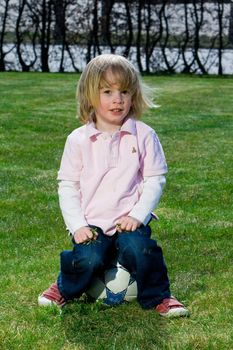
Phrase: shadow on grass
x=96 y=326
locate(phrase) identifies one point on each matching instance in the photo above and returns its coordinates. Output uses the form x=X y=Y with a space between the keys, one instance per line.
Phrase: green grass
x=195 y=126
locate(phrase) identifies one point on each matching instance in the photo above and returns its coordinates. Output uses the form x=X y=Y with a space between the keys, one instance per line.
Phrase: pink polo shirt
x=111 y=168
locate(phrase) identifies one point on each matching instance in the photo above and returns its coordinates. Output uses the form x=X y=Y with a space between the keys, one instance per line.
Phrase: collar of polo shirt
x=128 y=127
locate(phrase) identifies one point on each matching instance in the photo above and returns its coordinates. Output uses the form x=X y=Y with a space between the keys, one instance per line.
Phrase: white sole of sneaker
x=176 y=312
x=42 y=301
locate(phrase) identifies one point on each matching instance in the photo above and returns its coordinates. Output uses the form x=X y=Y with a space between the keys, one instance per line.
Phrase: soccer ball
x=115 y=286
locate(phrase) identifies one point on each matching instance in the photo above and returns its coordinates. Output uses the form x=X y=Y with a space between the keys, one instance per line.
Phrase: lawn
x=195 y=126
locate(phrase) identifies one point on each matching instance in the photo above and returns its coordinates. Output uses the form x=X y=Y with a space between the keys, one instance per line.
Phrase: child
x=111 y=178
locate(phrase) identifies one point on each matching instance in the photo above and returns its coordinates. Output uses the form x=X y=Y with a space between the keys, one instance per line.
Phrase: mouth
x=116 y=110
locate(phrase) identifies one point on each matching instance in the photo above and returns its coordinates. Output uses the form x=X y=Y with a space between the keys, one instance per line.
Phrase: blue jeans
x=136 y=251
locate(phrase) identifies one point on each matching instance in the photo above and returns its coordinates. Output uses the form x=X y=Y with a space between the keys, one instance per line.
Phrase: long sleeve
x=69 y=200
x=149 y=199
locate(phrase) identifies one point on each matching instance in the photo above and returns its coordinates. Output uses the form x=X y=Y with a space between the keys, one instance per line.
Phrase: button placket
x=114 y=150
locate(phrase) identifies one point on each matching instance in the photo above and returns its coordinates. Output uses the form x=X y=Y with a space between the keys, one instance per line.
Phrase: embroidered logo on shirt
x=134 y=150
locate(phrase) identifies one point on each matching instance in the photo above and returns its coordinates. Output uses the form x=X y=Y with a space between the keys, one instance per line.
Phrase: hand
x=127 y=223
x=84 y=235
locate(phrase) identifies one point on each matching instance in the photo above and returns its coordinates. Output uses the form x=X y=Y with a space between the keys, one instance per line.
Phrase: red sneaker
x=51 y=296
x=171 y=307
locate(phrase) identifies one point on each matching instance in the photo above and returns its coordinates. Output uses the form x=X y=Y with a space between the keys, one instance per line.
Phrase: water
x=210 y=60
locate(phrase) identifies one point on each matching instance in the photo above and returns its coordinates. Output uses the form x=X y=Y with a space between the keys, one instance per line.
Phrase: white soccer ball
x=114 y=286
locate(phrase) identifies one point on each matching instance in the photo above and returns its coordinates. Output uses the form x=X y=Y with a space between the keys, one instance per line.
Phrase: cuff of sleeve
x=73 y=228
x=135 y=213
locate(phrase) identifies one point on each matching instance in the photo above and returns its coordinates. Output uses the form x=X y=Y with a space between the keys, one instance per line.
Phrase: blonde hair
x=94 y=77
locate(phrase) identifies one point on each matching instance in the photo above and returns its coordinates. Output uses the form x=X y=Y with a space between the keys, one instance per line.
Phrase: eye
x=106 y=91
x=125 y=92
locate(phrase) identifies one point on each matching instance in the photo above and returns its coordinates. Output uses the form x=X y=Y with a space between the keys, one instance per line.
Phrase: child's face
x=114 y=105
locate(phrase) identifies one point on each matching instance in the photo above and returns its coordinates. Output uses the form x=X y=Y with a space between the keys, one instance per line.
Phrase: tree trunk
x=130 y=28
x=46 y=18
x=2 y=34
x=198 y=24
x=139 y=34
x=230 y=35
x=59 y=27
x=220 y=46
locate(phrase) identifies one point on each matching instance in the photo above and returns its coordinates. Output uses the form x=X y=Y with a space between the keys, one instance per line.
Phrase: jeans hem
x=153 y=303
x=61 y=292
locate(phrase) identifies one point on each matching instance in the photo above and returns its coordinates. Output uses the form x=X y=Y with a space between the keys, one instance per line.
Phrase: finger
x=79 y=238
x=123 y=227
x=76 y=240
x=82 y=237
x=129 y=226
x=124 y=223
x=126 y=226
x=89 y=234
x=133 y=226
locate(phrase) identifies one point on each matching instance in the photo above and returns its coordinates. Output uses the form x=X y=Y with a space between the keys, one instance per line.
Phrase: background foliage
x=169 y=36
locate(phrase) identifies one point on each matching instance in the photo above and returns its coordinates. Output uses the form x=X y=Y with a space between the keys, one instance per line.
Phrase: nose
x=117 y=97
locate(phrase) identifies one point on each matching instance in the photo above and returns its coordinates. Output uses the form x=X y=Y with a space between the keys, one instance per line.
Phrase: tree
x=164 y=35
x=41 y=16
x=230 y=36
x=153 y=30
x=186 y=41
x=220 y=9
x=139 y=34
x=45 y=38
x=4 y=16
x=198 y=16
x=60 y=28
x=130 y=29
x=25 y=32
